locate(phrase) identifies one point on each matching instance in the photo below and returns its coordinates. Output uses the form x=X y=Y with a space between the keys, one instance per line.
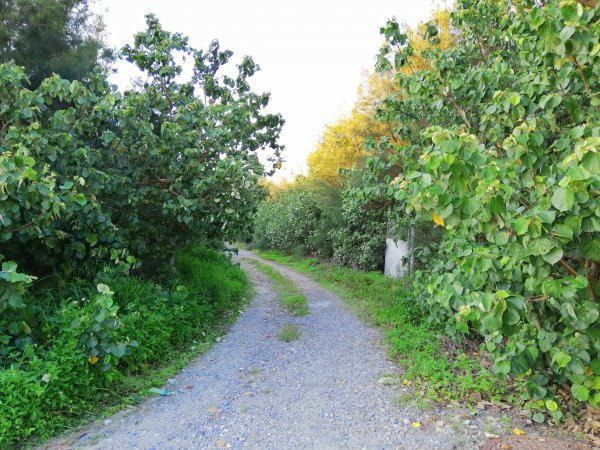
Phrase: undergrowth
x=290 y=296
x=434 y=368
x=53 y=386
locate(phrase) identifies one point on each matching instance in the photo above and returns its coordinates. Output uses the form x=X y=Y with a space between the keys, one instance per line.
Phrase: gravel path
x=322 y=391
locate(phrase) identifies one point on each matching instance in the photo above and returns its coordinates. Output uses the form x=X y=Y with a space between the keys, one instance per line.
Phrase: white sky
x=312 y=53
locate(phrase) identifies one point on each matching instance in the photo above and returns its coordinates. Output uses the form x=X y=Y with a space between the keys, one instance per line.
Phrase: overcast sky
x=312 y=53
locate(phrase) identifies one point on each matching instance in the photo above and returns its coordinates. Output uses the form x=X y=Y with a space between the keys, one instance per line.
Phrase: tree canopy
x=51 y=36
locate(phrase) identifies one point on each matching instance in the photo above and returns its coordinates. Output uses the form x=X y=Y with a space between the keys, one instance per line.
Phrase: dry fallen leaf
x=416 y=425
x=518 y=432
x=221 y=443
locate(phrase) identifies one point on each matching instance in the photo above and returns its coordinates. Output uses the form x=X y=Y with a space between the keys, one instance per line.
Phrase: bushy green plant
x=508 y=166
x=81 y=351
x=92 y=176
x=289 y=221
x=359 y=239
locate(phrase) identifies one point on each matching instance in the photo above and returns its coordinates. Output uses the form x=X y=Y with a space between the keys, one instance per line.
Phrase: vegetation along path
x=333 y=387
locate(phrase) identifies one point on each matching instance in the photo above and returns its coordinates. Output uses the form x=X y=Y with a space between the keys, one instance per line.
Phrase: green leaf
x=595 y=365
x=563 y=231
x=491 y=323
x=66 y=185
x=501 y=367
x=563 y=199
x=552 y=287
x=551 y=405
x=590 y=249
x=104 y=289
x=514 y=99
x=80 y=199
x=522 y=225
x=16 y=301
x=538 y=417
x=566 y=33
x=580 y=392
x=561 y=359
x=540 y=246
x=591 y=162
x=14 y=328
x=119 y=350
x=553 y=256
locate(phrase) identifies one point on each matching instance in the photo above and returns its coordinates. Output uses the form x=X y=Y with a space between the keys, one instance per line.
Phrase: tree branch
x=461 y=112
x=568 y=267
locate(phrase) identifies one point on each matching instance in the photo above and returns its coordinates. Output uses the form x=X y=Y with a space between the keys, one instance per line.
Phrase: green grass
x=436 y=369
x=289 y=332
x=171 y=323
x=290 y=296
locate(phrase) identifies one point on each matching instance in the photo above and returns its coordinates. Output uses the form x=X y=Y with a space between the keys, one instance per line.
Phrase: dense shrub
x=91 y=176
x=292 y=222
x=313 y=217
x=506 y=162
x=58 y=377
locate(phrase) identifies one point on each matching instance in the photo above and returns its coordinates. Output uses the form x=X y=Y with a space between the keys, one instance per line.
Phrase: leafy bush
x=71 y=366
x=313 y=217
x=508 y=165
x=289 y=222
x=359 y=239
x=88 y=175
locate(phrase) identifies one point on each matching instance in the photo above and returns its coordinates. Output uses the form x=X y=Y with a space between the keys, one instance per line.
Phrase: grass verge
x=53 y=386
x=437 y=369
x=291 y=297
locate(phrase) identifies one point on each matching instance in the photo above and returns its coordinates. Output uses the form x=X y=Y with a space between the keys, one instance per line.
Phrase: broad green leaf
x=590 y=249
x=564 y=231
x=538 y=417
x=580 y=392
x=66 y=185
x=591 y=162
x=595 y=365
x=561 y=359
x=540 y=246
x=522 y=225
x=566 y=33
x=501 y=367
x=553 y=256
x=491 y=323
x=551 y=405
x=552 y=287
x=563 y=199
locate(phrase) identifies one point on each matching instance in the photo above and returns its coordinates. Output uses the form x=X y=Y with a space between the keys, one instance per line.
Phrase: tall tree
x=51 y=36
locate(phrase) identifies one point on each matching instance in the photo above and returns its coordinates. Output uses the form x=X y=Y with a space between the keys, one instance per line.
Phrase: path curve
x=253 y=391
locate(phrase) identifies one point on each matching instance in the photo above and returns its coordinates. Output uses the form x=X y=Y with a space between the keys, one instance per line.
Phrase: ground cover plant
x=290 y=296
x=54 y=383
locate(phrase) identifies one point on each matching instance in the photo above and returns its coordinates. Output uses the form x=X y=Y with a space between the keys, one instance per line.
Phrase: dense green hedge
x=52 y=382
x=316 y=218
x=505 y=159
x=294 y=221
